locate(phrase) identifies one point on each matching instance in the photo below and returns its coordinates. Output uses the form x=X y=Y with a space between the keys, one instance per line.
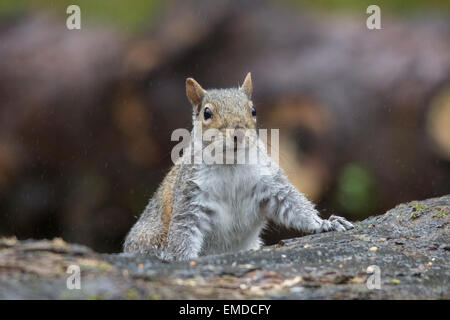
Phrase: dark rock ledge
x=410 y=244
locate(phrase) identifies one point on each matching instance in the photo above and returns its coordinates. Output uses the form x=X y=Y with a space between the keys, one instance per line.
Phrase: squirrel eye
x=253 y=111
x=207 y=114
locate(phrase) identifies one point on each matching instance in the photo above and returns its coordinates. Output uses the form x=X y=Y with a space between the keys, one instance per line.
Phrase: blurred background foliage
x=400 y=7
x=86 y=115
x=355 y=190
x=130 y=16
x=135 y=15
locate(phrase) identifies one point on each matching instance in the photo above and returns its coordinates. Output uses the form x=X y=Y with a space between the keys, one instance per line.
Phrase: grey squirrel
x=202 y=209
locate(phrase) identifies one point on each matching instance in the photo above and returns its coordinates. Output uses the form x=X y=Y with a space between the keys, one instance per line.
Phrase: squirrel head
x=228 y=110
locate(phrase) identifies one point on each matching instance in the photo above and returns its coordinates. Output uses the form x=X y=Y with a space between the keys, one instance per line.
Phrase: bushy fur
x=202 y=209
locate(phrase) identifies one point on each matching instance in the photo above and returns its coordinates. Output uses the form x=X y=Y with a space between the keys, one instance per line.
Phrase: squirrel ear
x=194 y=92
x=247 y=86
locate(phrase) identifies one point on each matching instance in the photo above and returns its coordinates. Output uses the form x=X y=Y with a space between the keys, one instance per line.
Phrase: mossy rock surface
x=410 y=245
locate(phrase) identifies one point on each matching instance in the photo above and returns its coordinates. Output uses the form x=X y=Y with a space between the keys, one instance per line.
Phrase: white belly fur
x=228 y=194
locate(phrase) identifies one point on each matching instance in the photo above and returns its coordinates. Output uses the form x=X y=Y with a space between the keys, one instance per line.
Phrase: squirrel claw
x=336 y=223
x=341 y=223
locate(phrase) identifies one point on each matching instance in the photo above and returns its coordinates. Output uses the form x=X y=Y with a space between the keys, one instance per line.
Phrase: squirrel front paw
x=336 y=223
